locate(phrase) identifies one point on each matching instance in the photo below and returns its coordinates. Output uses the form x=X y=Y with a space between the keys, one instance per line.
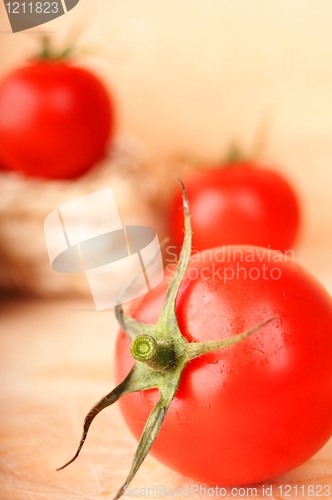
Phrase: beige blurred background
x=192 y=75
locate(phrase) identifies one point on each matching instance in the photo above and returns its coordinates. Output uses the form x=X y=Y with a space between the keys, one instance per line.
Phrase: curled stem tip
x=131 y=326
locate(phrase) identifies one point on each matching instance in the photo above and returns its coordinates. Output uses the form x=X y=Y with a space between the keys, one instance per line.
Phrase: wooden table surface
x=56 y=362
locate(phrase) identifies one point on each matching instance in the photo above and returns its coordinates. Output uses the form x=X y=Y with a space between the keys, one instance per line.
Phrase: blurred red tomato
x=241 y=203
x=55 y=120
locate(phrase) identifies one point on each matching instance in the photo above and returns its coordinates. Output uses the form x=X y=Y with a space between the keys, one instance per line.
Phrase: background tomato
x=55 y=120
x=258 y=408
x=237 y=204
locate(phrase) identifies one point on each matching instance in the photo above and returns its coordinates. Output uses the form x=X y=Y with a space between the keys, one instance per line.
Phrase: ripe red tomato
x=238 y=204
x=55 y=120
x=256 y=409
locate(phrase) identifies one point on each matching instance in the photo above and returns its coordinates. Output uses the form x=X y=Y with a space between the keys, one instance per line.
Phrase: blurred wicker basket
x=25 y=203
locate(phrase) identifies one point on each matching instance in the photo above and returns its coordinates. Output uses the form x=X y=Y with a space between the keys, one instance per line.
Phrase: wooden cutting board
x=56 y=362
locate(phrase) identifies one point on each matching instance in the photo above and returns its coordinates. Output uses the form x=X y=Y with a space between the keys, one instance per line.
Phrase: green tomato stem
x=48 y=54
x=161 y=353
x=144 y=348
x=234 y=155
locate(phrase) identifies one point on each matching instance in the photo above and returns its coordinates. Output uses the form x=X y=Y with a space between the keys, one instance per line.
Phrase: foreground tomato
x=240 y=351
x=258 y=408
x=55 y=120
x=240 y=203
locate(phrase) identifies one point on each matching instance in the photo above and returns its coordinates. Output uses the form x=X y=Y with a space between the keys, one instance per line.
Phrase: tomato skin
x=237 y=204
x=261 y=407
x=55 y=120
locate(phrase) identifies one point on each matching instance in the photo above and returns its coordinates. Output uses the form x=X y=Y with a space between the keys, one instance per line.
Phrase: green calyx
x=235 y=155
x=161 y=353
x=47 y=52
